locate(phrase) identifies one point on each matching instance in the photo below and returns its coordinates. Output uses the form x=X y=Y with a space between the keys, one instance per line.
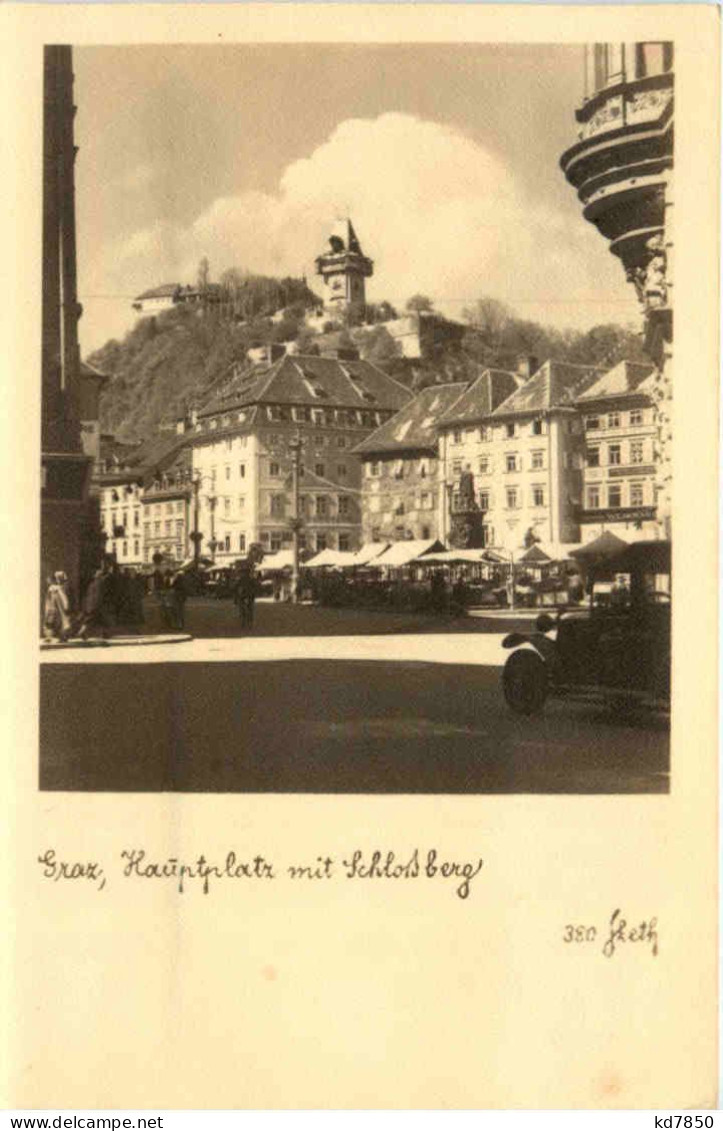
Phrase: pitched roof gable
x=554 y=385
x=625 y=379
x=414 y=427
x=482 y=396
x=320 y=381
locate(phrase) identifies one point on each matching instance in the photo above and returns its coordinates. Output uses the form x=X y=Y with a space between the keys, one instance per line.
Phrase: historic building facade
x=401 y=487
x=617 y=413
x=524 y=455
x=622 y=169
x=65 y=521
x=250 y=486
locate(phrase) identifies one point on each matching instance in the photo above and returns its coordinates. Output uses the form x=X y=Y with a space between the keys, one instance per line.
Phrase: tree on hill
x=419 y=304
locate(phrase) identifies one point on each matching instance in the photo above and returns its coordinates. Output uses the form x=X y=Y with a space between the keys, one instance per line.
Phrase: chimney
x=527 y=366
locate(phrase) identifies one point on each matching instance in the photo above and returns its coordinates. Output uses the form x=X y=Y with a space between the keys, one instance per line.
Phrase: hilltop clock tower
x=343 y=268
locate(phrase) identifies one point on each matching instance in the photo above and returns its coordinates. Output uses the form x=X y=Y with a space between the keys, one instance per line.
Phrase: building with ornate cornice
x=622 y=168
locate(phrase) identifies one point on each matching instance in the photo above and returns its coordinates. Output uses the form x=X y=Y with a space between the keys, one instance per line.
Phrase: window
x=484 y=433
x=636 y=451
x=147 y=553
x=136 y=518
x=593 y=498
x=593 y=457
x=484 y=500
x=343 y=506
x=302 y=414
x=319 y=470
x=538 y=460
x=512 y=498
x=374 y=469
x=376 y=534
x=592 y=423
x=242 y=470
x=146 y=529
x=274 y=470
x=179 y=508
x=510 y=463
x=321 y=506
x=179 y=527
x=341 y=470
x=613 y=420
x=229 y=443
x=344 y=542
x=614 y=454
x=456 y=467
x=341 y=441
x=275 y=541
x=125 y=549
x=537 y=429
x=636 y=495
x=399 y=469
x=277 y=504
x=510 y=430
x=242 y=543
x=227 y=543
x=614 y=495
x=136 y=547
x=399 y=509
x=241 y=502
x=265 y=537
x=168 y=527
x=538 y=496
x=169 y=510
x=321 y=541
x=423 y=468
x=484 y=465
x=425 y=532
x=228 y=472
x=636 y=416
x=425 y=501
x=456 y=437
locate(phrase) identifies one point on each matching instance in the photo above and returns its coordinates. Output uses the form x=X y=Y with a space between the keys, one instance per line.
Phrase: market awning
x=457 y=557
x=607 y=545
x=402 y=553
x=331 y=558
x=282 y=559
x=368 y=552
x=542 y=552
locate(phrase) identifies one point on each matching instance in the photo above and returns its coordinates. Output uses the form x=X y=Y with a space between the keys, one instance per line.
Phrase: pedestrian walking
x=57 y=611
x=95 y=614
x=178 y=600
x=245 y=595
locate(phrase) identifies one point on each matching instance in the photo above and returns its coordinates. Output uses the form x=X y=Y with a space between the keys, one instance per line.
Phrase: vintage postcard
x=361 y=461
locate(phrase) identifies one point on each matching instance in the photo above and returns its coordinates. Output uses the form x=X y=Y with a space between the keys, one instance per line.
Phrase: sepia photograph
x=357 y=466
x=363 y=597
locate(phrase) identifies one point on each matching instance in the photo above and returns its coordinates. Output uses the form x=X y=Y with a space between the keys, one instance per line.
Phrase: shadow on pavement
x=327 y=727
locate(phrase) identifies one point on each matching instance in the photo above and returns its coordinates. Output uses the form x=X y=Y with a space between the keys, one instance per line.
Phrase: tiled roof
x=414 y=427
x=141 y=459
x=482 y=397
x=555 y=385
x=628 y=378
x=319 y=381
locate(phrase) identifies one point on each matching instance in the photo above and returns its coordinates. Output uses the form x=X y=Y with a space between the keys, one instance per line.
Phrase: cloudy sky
x=446 y=158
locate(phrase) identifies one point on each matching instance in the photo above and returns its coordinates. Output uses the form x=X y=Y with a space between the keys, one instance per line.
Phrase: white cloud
x=436 y=211
x=140 y=177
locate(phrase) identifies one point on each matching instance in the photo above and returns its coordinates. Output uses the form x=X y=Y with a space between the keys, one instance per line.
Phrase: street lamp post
x=295 y=444
x=196 y=536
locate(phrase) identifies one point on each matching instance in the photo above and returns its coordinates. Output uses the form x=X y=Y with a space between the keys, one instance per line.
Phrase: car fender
x=544 y=647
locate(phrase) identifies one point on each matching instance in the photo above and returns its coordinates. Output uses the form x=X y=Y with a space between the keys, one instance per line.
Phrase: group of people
x=112 y=600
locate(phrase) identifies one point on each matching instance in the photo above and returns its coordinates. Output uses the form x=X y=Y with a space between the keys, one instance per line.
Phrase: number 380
x=573 y=934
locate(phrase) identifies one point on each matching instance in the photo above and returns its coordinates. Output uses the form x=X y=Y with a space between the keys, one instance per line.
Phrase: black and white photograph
x=357 y=368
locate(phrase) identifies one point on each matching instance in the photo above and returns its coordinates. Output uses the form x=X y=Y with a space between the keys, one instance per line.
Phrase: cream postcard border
x=379 y=998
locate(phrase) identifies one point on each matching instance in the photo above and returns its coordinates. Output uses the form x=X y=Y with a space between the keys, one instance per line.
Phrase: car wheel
x=524 y=682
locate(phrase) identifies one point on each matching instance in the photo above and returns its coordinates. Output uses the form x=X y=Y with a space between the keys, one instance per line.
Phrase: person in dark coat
x=245 y=595
x=95 y=615
x=178 y=600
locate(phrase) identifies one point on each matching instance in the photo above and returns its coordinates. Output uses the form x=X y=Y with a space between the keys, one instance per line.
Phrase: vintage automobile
x=616 y=650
